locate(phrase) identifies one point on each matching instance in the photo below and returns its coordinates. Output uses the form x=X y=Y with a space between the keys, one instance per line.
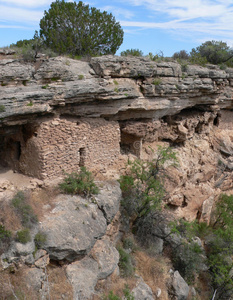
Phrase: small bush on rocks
x=24 y=210
x=40 y=239
x=81 y=183
x=23 y=236
x=5 y=238
x=125 y=263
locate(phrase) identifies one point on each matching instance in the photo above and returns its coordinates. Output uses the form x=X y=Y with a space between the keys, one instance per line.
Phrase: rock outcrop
x=61 y=114
x=180 y=287
x=118 y=88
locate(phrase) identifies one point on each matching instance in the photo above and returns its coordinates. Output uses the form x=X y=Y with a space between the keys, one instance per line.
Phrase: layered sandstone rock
x=61 y=114
x=110 y=86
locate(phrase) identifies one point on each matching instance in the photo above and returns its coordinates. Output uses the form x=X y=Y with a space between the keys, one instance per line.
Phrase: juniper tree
x=77 y=29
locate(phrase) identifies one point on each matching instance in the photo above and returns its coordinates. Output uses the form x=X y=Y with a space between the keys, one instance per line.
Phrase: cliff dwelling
x=53 y=146
x=50 y=146
x=108 y=111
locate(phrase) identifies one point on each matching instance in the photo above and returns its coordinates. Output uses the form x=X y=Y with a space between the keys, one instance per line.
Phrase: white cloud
x=119 y=12
x=185 y=9
x=196 y=19
x=26 y=3
x=20 y=15
x=13 y=26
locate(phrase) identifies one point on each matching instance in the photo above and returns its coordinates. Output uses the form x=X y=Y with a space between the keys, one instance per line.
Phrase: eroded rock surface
x=72 y=228
x=83 y=275
x=118 y=87
x=181 y=288
x=142 y=291
x=64 y=114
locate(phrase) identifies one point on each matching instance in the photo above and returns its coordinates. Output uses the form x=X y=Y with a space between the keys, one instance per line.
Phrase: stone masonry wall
x=68 y=143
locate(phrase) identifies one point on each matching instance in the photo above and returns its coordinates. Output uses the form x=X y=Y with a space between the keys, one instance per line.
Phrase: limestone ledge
x=117 y=88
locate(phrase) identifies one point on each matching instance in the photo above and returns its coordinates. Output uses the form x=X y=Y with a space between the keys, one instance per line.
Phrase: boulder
x=180 y=287
x=142 y=291
x=5 y=184
x=108 y=199
x=72 y=228
x=83 y=278
x=107 y=257
x=34 y=278
x=84 y=274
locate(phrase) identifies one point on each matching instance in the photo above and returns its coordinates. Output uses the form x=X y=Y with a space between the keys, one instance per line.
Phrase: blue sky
x=149 y=25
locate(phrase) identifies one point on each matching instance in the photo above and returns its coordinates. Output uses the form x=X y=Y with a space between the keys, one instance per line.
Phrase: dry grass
x=203 y=288
x=59 y=286
x=8 y=216
x=42 y=201
x=115 y=284
x=15 y=283
x=154 y=271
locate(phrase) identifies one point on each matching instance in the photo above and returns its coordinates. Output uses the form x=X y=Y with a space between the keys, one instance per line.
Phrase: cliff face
x=60 y=114
x=112 y=87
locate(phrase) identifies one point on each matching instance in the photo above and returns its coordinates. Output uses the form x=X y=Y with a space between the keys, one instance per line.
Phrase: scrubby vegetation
x=191 y=258
x=132 y=52
x=24 y=210
x=127 y=295
x=81 y=183
x=23 y=236
x=40 y=239
x=143 y=188
x=125 y=263
x=2 y=108
x=5 y=238
x=212 y=52
x=196 y=249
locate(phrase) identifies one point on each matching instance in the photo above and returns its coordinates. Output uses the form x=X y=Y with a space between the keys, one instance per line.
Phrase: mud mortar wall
x=67 y=144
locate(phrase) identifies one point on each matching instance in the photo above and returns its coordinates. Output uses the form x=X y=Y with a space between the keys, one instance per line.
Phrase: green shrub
x=127 y=295
x=28 y=53
x=158 y=57
x=157 y=81
x=40 y=239
x=214 y=52
x=112 y=296
x=132 y=52
x=125 y=263
x=218 y=239
x=220 y=247
x=24 y=210
x=5 y=239
x=182 y=54
x=188 y=259
x=77 y=29
x=196 y=58
x=4 y=233
x=80 y=77
x=142 y=188
x=2 y=108
x=30 y=103
x=81 y=183
x=23 y=236
x=128 y=243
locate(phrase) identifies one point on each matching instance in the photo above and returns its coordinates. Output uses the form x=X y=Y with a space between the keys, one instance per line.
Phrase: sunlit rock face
x=60 y=114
